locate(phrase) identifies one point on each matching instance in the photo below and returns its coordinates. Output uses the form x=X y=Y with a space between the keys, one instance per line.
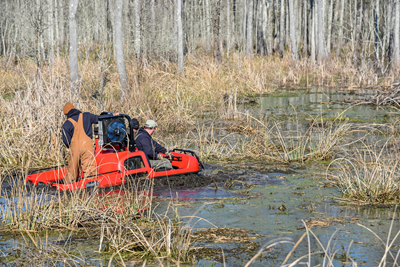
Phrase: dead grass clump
x=369 y=174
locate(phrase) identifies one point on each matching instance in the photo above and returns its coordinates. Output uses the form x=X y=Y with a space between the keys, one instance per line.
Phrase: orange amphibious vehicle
x=117 y=160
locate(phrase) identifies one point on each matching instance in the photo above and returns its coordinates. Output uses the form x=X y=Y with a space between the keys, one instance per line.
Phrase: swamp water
x=268 y=203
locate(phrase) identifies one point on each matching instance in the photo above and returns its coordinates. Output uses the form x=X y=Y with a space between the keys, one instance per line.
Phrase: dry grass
x=32 y=99
x=330 y=253
x=369 y=174
x=122 y=220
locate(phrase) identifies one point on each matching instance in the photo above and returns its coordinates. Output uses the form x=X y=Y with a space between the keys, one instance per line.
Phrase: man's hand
x=159 y=156
x=116 y=113
x=169 y=154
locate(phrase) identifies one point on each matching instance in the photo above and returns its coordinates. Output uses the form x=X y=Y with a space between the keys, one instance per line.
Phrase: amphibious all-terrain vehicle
x=117 y=160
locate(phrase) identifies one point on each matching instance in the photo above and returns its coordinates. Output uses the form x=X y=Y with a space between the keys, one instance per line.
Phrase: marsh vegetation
x=271 y=95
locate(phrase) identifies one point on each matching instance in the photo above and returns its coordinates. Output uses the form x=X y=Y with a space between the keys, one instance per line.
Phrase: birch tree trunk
x=292 y=21
x=249 y=36
x=119 y=49
x=178 y=9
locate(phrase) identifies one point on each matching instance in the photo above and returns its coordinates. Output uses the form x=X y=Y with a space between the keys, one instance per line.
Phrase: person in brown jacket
x=77 y=135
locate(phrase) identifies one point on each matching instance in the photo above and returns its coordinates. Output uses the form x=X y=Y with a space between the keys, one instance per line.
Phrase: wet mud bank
x=215 y=176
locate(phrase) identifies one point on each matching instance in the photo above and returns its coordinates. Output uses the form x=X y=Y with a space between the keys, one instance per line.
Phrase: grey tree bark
x=249 y=30
x=208 y=28
x=178 y=10
x=313 y=30
x=137 y=28
x=119 y=49
x=282 y=30
x=321 y=25
x=340 y=29
x=217 y=52
x=305 y=27
x=51 y=31
x=73 y=47
x=396 y=29
x=329 y=34
x=292 y=21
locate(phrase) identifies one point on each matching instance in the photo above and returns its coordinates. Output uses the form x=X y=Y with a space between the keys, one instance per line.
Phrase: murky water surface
x=277 y=205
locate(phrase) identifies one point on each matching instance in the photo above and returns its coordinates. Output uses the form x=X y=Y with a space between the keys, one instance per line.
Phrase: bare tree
x=396 y=29
x=73 y=47
x=249 y=30
x=178 y=5
x=217 y=52
x=321 y=26
x=119 y=49
x=137 y=28
x=282 y=29
x=340 y=29
x=293 y=31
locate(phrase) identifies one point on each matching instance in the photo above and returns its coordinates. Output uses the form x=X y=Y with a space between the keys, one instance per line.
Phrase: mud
x=216 y=178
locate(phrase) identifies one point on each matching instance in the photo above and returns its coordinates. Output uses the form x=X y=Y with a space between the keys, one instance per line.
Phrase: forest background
x=175 y=61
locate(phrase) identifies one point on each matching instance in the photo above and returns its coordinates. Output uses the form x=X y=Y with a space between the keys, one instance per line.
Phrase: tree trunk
x=178 y=10
x=396 y=52
x=249 y=36
x=137 y=28
x=57 y=26
x=208 y=27
x=51 y=31
x=228 y=28
x=282 y=30
x=112 y=21
x=217 y=52
x=328 y=41
x=340 y=37
x=321 y=45
x=73 y=47
x=119 y=49
x=305 y=27
x=313 y=30
x=292 y=21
